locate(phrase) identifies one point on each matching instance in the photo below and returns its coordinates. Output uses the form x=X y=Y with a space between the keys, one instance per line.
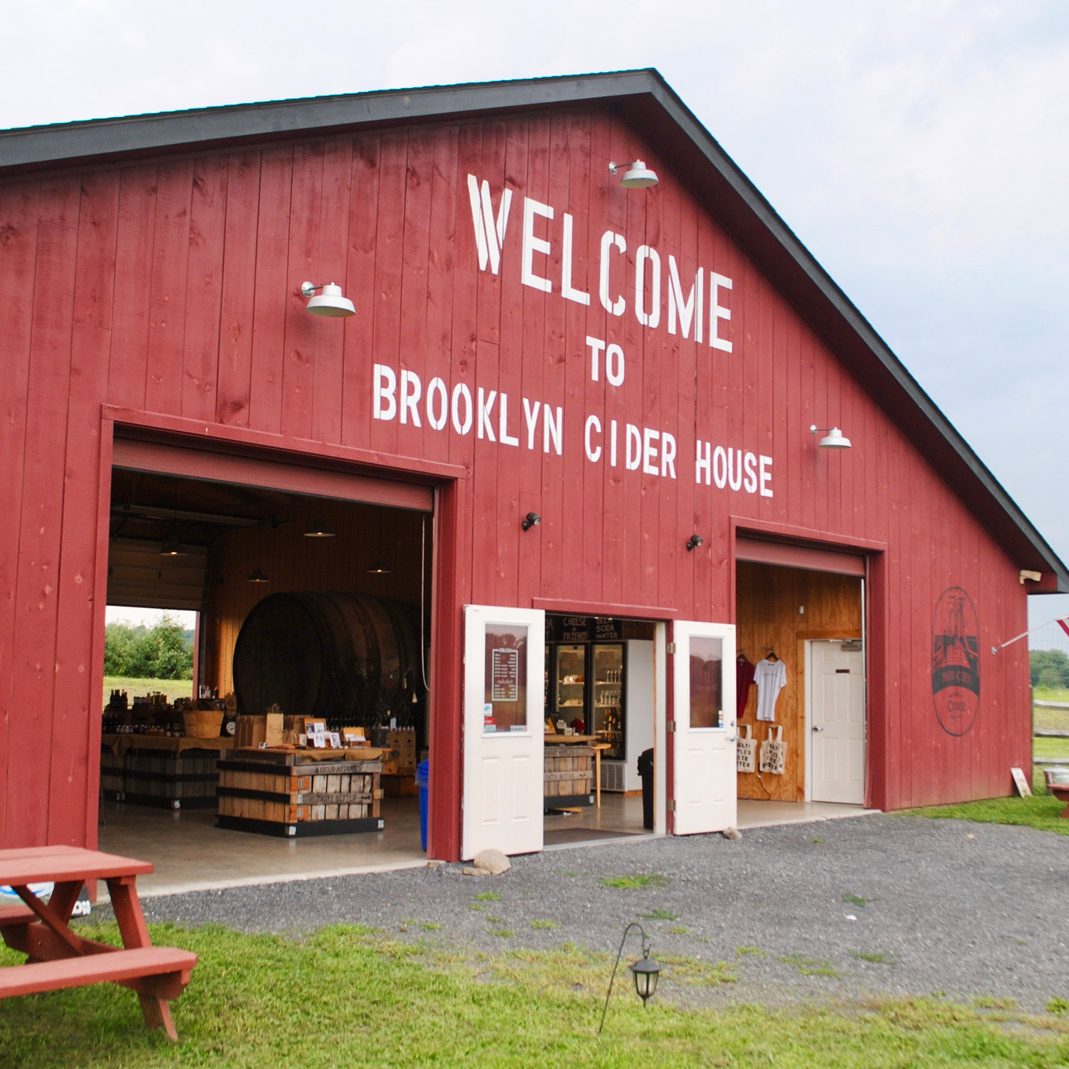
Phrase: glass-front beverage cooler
x=570 y=675
x=585 y=685
x=607 y=697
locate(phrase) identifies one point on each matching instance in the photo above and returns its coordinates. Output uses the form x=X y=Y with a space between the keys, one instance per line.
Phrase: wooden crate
x=569 y=775
x=161 y=770
x=292 y=793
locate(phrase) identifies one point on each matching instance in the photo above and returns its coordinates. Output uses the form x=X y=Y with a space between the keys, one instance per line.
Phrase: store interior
x=322 y=604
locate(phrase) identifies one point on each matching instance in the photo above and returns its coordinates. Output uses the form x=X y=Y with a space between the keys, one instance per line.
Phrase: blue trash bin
x=422 y=779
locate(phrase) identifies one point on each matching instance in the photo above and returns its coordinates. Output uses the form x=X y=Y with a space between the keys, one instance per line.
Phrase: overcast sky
x=920 y=150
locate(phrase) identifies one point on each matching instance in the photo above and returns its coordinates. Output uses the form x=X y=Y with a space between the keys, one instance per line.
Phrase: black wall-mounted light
x=532 y=519
x=694 y=541
x=644 y=972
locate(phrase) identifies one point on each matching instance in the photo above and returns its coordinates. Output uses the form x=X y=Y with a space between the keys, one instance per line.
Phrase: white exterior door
x=703 y=787
x=835 y=709
x=504 y=728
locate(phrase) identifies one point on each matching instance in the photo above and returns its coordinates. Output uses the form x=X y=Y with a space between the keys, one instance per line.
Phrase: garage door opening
x=800 y=682
x=312 y=603
x=601 y=699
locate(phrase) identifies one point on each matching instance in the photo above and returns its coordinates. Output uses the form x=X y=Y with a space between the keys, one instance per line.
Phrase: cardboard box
x=266 y=728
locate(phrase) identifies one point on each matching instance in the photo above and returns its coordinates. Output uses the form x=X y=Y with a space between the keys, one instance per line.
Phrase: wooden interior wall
x=768 y=617
x=296 y=563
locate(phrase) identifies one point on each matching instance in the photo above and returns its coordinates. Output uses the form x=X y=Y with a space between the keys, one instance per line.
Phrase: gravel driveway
x=874 y=905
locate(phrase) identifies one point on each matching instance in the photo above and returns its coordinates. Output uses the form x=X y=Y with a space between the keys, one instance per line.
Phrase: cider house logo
x=955 y=661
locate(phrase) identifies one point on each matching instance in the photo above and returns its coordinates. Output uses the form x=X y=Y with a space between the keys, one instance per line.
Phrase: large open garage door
x=799 y=611
x=334 y=567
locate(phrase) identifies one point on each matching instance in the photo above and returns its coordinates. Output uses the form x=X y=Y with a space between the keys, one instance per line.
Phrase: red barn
x=608 y=426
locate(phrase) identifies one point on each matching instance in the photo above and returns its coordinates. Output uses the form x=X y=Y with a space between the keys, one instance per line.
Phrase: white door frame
x=504 y=774
x=807 y=717
x=705 y=786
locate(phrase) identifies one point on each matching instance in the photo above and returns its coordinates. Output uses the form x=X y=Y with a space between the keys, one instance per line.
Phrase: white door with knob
x=704 y=781
x=835 y=715
x=504 y=729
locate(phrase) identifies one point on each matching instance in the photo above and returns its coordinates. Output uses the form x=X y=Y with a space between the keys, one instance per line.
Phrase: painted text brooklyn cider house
x=562 y=396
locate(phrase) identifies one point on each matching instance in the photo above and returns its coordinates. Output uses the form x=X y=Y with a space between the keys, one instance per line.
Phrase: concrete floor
x=190 y=854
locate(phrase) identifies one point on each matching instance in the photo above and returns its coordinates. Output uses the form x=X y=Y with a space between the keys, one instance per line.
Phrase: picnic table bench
x=57 y=957
x=1058 y=785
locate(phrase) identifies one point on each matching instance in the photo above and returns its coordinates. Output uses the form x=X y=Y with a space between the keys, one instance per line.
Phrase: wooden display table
x=161 y=770
x=58 y=957
x=294 y=792
x=569 y=771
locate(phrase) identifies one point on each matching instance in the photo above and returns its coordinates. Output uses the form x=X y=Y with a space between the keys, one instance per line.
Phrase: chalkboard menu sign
x=583 y=629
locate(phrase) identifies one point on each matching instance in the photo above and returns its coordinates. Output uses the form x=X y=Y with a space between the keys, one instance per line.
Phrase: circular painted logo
x=956 y=661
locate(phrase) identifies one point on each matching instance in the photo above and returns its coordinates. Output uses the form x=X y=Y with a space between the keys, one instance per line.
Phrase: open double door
x=504 y=715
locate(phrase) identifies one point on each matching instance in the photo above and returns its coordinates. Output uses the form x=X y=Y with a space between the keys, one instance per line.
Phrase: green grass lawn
x=350 y=997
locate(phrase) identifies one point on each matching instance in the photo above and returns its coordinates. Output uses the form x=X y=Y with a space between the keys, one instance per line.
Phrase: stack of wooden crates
x=399 y=763
x=299 y=792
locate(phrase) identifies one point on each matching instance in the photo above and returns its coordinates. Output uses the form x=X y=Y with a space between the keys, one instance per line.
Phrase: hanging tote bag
x=774 y=751
x=746 y=750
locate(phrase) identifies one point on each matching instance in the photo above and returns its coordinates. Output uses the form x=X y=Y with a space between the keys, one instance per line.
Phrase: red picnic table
x=57 y=957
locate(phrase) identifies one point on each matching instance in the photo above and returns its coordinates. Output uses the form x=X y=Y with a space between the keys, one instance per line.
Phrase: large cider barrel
x=351 y=658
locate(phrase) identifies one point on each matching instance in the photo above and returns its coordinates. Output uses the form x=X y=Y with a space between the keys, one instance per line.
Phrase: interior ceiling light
x=378 y=568
x=833 y=437
x=331 y=302
x=319 y=528
x=257 y=576
x=172 y=548
x=637 y=175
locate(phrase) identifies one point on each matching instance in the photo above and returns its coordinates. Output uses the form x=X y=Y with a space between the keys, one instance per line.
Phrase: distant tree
x=120 y=642
x=161 y=652
x=1050 y=668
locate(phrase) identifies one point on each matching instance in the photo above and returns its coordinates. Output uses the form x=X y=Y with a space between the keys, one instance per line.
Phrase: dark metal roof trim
x=35 y=147
x=647 y=101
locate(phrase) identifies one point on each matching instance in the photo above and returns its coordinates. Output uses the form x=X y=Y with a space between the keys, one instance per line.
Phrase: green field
x=173 y=688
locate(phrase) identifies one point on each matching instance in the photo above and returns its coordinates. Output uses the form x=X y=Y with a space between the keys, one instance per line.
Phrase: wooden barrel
x=351 y=658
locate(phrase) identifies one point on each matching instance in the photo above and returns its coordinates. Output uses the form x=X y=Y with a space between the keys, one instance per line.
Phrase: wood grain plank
x=328 y=372
x=18 y=245
x=359 y=354
x=207 y=223
x=167 y=293
x=131 y=314
x=305 y=334
x=275 y=290
x=40 y=534
x=79 y=665
x=238 y=290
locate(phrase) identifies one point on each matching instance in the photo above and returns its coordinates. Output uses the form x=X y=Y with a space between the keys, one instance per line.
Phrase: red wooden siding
x=172 y=287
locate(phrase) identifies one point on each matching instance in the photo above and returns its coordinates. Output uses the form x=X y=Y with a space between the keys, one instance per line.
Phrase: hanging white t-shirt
x=771 y=678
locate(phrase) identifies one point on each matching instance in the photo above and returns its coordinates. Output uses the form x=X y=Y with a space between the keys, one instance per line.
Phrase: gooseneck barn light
x=319 y=528
x=644 y=972
x=637 y=175
x=331 y=302
x=532 y=519
x=694 y=541
x=833 y=437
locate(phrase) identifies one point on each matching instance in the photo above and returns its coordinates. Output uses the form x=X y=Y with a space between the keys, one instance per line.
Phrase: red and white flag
x=1063 y=624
